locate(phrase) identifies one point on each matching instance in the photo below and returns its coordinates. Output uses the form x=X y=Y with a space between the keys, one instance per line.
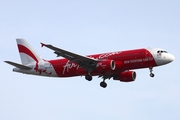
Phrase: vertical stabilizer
x=27 y=54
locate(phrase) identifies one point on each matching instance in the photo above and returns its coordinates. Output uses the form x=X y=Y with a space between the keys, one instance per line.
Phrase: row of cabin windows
x=127 y=55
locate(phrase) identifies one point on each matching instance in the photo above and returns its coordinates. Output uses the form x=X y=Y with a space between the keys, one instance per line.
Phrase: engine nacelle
x=127 y=76
x=106 y=65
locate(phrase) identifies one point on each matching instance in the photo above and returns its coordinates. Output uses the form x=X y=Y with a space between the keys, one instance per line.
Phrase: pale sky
x=87 y=27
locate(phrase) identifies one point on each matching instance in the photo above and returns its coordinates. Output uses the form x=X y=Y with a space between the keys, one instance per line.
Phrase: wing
x=84 y=62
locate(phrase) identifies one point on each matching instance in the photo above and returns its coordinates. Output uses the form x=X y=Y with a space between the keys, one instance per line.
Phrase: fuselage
x=124 y=60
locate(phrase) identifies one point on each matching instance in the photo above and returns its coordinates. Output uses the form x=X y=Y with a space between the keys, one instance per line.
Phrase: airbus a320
x=118 y=65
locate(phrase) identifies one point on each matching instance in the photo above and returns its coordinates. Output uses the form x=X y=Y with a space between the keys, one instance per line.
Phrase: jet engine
x=126 y=76
x=106 y=65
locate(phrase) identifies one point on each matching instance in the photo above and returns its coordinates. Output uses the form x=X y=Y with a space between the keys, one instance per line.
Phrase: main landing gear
x=88 y=77
x=103 y=84
x=151 y=74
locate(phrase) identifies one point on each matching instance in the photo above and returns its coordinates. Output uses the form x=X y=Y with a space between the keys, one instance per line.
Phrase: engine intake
x=127 y=76
x=106 y=65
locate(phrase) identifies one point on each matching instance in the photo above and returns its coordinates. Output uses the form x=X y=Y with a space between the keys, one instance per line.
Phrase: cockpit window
x=161 y=51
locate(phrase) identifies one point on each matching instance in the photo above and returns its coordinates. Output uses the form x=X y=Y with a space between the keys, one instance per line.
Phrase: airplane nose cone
x=171 y=57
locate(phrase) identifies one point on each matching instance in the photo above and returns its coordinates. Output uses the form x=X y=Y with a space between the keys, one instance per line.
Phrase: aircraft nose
x=171 y=57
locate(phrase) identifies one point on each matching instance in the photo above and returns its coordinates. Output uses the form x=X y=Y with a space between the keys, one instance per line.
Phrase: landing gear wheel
x=88 y=77
x=103 y=84
x=151 y=69
x=151 y=74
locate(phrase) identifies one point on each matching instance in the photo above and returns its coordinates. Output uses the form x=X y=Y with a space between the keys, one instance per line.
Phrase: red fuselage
x=124 y=60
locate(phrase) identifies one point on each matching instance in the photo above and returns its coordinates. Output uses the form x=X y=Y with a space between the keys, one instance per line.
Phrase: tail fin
x=26 y=52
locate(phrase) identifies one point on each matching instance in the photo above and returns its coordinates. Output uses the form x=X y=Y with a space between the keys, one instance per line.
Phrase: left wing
x=87 y=63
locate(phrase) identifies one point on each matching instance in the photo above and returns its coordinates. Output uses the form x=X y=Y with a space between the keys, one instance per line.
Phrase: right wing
x=84 y=62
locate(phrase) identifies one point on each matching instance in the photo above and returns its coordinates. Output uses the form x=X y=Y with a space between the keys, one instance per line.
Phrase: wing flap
x=18 y=65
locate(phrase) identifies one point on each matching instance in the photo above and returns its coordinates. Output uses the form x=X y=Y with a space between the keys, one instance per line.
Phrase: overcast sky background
x=87 y=27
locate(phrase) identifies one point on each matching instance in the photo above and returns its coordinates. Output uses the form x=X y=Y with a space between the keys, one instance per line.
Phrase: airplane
x=118 y=65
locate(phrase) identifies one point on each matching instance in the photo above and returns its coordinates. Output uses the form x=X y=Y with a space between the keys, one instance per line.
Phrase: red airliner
x=117 y=65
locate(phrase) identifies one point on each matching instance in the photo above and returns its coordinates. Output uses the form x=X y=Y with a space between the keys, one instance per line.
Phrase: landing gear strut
x=88 y=77
x=103 y=84
x=151 y=74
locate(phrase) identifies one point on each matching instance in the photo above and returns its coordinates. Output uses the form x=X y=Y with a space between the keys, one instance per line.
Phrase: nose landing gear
x=151 y=74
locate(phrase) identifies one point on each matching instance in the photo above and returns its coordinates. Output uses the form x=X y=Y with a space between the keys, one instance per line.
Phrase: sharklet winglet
x=42 y=44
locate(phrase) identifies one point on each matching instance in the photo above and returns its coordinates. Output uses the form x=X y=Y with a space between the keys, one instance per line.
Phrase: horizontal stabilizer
x=18 y=65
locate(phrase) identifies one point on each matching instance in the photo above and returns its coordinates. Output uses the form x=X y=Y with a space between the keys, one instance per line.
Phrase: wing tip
x=7 y=61
x=42 y=44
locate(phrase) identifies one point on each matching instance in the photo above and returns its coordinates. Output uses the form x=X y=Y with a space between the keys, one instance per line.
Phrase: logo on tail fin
x=27 y=54
x=23 y=49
